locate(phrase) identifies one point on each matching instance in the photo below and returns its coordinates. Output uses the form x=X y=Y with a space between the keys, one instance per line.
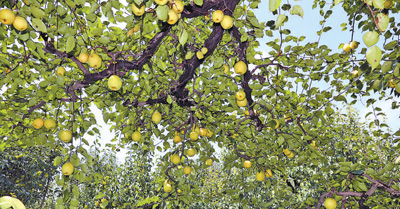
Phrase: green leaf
x=37 y=12
x=198 y=2
x=279 y=20
x=39 y=25
x=274 y=4
x=338 y=1
x=370 y=38
x=383 y=21
x=70 y=44
x=297 y=10
x=8 y=202
x=169 y=99
x=183 y=37
x=379 y=4
x=374 y=56
x=162 y=12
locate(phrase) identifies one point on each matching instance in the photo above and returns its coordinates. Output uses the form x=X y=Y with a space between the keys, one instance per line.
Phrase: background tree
x=167 y=69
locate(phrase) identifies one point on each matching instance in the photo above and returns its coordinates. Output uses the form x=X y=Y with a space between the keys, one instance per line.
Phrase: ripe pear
x=240 y=68
x=175 y=159
x=83 y=57
x=240 y=95
x=199 y=55
x=167 y=188
x=226 y=69
x=138 y=10
x=194 y=135
x=136 y=136
x=241 y=103
x=247 y=164
x=177 y=6
x=218 y=16
x=187 y=170
x=38 y=123
x=172 y=17
x=94 y=61
x=227 y=22
x=20 y=23
x=268 y=173
x=114 y=83
x=204 y=50
x=191 y=152
x=49 y=124
x=177 y=139
x=7 y=16
x=67 y=169
x=203 y=132
x=260 y=176
x=330 y=203
x=156 y=117
x=346 y=48
x=209 y=162
x=60 y=71
x=354 y=45
x=65 y=136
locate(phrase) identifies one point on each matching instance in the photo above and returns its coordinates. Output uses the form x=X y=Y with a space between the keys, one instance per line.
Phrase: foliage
x=290 y=97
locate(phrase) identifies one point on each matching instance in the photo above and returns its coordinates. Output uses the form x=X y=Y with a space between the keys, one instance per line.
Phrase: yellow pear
x=156 y=117
x=240 y=68
x=114 y=83
x=65 y=136
x=194 y=135
x=136 y=136
x=60 y=71
x=191 y=152
x=67 y=169
x=175 y=159
x=83 y=57
x=199 y=55
x=20 y=23
x=38 y=123
x=49 y=124
x=7 y=16
x=330 y=203
x=172 y=17
x=167 y=188
x=346 y=47
x=209 y=162
x=240 y=95
x=177 y=139
x=268 y=173
x=203 y=132
x=260 y=176
x=241 y=103
x=247 y=164
x=226 y=69
x=218 y=16
x=227 y=22
x=94 y=61
x=204 y=50
x=187 y=170
x=177 y=6
x=138 y=10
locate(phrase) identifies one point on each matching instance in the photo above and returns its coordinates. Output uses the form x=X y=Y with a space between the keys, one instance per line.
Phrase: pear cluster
x=225 y=21
x=241 y=100
x=288 y=153
x=350 y=46
x=175 y=8
x=8 y=17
